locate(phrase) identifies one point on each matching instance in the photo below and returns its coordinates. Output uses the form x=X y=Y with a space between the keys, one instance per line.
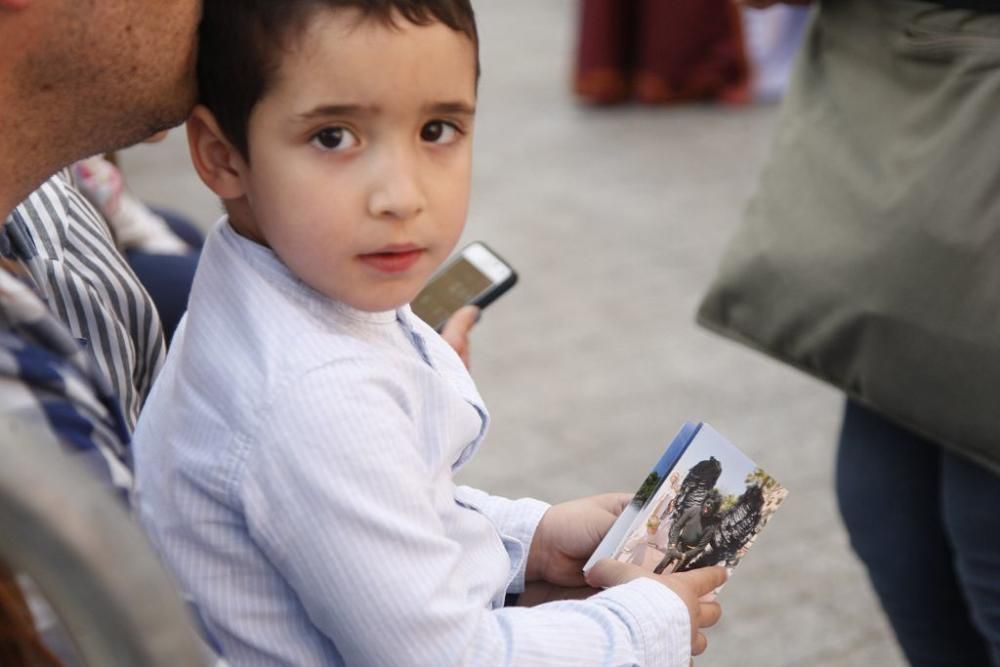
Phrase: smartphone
x=476 y=276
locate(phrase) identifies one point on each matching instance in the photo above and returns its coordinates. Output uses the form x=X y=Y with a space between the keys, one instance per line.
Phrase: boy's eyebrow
x=327 y=110
x=452 y=108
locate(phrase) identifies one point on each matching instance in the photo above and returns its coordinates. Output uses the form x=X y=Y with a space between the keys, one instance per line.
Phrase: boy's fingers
x=461 y=322
x=709 y=614
x=456 y=330
x=607 y=573
x=704 y=580
x=615 y=503
x=692 y=585
x=699 y=644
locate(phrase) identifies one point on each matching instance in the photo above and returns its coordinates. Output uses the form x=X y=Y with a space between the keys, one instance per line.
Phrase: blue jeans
x=926 y=524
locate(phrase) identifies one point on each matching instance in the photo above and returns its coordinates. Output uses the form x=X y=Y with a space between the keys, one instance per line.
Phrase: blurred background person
x=20 y=643
x=773 y=37
x=868 y=258
x=659 y=52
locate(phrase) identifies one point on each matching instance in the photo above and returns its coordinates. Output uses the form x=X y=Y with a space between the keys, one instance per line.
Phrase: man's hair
x=242 y=42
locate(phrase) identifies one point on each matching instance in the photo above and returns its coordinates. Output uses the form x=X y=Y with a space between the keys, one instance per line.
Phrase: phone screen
x=458 y=285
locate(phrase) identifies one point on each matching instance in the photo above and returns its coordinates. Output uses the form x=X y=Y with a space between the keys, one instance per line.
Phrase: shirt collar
x=269 y=263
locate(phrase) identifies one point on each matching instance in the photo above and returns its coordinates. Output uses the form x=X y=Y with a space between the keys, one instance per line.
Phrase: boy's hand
x=456 y=330
x=566 y=536
x=540 y=592
x=694 y=587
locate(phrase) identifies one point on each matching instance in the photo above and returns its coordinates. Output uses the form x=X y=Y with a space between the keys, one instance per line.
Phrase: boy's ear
x=218 y=162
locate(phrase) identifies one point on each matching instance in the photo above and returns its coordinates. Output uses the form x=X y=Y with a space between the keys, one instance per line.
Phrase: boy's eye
x=334 y=139
x=439 y=132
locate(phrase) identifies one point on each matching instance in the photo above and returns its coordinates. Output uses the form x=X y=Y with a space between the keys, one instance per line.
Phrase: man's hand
x=456 y=330
x=566 y=536
x=694 y=587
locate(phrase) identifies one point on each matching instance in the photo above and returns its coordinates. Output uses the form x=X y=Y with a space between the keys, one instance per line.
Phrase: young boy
x=295 y=458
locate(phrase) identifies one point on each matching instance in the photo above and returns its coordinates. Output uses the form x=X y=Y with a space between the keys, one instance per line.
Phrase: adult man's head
x=78 y=77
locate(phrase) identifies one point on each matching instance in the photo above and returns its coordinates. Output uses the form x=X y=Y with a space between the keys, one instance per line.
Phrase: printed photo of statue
x=697 y=485
x=690 y=532
x=641 y=542
x=733 y=531
x=647 y=543
x=733 y=528
x=704 y=506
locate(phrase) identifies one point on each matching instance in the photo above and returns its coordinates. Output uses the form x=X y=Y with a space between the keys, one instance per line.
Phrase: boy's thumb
x=461 y=321
x=704 y=580
x=607 y=573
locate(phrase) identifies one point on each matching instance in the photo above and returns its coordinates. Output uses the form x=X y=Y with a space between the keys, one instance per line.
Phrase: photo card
x=703 y=503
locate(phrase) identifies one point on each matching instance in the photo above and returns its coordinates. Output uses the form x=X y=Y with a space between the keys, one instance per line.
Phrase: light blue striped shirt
x=295 y=467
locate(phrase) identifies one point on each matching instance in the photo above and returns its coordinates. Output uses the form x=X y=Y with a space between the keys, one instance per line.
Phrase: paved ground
x=615 y=221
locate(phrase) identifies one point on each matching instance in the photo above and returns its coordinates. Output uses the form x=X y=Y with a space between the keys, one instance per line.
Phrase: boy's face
x=360 y=157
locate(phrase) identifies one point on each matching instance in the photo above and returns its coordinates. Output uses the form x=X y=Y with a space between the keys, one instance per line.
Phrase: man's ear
x=218 y=163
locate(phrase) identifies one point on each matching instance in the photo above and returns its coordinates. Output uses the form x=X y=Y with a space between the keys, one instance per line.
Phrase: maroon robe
x=661 y=51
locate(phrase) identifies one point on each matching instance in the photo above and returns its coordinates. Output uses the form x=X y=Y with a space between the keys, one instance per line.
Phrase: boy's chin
x=380 y=303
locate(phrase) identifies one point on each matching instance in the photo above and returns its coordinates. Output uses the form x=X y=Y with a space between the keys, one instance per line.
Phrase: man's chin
x=168 y=118
x=165 y=111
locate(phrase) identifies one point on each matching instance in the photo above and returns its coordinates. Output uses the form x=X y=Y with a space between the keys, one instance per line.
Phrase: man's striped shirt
x=70 y=254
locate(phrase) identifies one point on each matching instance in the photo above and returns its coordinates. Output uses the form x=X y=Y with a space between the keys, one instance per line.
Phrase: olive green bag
x=870 y=256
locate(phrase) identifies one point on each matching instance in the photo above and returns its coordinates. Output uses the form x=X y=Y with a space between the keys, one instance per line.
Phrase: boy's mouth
x=393 y=258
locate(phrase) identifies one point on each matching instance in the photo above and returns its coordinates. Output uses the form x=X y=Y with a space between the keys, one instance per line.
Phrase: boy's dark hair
x=240 y=45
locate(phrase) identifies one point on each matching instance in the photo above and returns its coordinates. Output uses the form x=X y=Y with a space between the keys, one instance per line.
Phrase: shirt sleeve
x=339 y=496
x=46 y=399
x=516 y=521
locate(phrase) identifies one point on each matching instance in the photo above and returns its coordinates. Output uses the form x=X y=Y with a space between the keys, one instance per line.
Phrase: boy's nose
x=397 y=194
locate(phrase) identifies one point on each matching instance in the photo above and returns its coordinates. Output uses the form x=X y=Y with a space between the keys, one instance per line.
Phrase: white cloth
x=294 y=468
x=134 y=224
